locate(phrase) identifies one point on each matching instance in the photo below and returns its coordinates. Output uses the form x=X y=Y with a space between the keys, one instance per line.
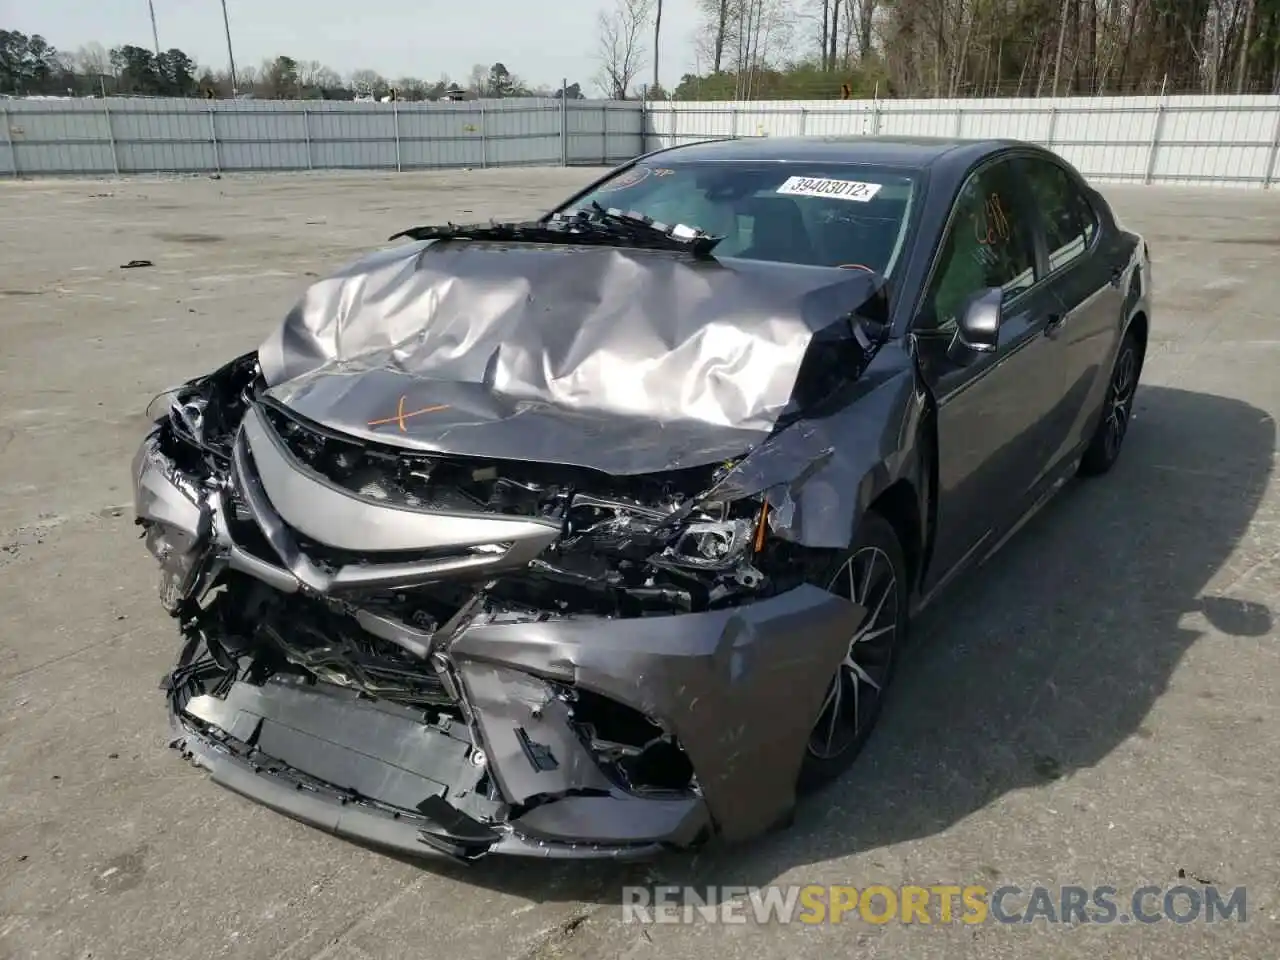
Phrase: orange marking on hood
x=401 y=415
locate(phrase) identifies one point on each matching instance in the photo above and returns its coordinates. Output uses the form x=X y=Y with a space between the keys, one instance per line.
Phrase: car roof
x=914 y=152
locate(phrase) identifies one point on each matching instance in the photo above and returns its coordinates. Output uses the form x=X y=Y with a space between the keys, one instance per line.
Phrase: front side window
x=1068 y=219
x=822 y=214
x=988 y=244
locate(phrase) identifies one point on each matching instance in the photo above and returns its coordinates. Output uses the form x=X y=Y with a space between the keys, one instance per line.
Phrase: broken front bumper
x=509 y=770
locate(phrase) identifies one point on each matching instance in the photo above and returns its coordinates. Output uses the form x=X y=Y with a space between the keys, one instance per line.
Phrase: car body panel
x=624 y=361
x=821 y=474
x=993 y=421
x=995 y=415
x=733 y=685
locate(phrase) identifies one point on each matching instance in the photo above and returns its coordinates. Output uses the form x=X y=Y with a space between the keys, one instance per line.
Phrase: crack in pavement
x=5 y=681
x=358 y=923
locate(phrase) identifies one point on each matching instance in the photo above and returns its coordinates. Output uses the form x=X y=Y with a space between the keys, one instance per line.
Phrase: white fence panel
x=122 y=135
x=1224 y=140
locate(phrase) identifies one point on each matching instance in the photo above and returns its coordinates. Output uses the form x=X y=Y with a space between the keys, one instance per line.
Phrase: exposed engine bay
x=626 y=546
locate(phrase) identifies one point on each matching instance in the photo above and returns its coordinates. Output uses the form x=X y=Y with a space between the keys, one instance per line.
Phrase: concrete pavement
x=1098 y=705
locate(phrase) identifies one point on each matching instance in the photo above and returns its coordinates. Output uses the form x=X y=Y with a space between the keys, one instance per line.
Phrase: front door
x=995 y=429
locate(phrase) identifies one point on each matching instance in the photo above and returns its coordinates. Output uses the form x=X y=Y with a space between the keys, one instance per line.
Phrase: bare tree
x=712 y=41
x=313 y=73
x=1242 y=68
x=859 y=18
x=621 y=48
x=92 y=60
x=760 y=30
x=410 y=88
x=326 y=78
x=829 y=15
x=368 y=83
x=833 y=35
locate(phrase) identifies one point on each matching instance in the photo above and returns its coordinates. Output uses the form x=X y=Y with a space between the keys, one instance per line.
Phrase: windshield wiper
x=598 y=226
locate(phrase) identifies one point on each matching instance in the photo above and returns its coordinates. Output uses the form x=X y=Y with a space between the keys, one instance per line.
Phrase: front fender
x=821 y=475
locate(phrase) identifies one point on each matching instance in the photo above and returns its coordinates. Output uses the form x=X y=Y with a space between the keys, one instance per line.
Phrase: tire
x=1117 y=410
x=848 y=716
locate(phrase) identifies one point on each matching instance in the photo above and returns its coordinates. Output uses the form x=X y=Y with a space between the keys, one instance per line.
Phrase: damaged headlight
x=180 y=558
x=711 y=546
x=725 y=548
x=187 y=453
x=626 y=557
x=205 y=412
x=189 y=414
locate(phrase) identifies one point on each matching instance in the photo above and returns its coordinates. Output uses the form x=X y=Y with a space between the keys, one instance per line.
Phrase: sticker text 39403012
x=835 y=189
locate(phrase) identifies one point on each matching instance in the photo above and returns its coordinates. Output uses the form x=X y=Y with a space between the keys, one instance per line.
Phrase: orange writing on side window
x=991 y=226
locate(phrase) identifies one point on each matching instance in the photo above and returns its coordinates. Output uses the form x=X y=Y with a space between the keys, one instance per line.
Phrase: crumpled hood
x=621 y=360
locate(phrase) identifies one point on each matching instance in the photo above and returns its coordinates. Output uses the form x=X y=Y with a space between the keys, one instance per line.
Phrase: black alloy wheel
x=1117 y=410
x=873 y=575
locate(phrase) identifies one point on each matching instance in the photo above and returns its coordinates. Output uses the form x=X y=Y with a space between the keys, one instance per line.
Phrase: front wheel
x=1117 y=410
x=873 y=574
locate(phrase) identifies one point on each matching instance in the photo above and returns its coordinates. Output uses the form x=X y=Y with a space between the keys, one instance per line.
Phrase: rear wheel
x=1117 y=410
x=873 y=574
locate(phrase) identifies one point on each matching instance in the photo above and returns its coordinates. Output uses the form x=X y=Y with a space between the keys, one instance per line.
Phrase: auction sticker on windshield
x=836 y=189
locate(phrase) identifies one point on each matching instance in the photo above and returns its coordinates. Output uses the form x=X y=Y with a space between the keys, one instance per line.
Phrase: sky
x=540 y=41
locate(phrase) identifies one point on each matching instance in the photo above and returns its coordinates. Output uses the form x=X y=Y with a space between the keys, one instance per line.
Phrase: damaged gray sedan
x=599 y=534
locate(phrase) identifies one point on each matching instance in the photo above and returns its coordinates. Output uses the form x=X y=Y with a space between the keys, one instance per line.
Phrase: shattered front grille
x=243 y=525
x=334 y=648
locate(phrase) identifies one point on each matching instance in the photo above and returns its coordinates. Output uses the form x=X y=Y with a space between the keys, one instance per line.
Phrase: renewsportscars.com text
x=935 y=904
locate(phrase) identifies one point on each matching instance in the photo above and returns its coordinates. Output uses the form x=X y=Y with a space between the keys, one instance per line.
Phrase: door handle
x=1054 y=327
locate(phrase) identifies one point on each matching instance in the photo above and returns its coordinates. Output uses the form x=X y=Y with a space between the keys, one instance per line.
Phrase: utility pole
x=155 y=35
x=231 y=57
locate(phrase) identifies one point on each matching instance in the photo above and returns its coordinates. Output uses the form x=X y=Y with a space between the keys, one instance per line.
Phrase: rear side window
x=988 y=244
x=1069 y=220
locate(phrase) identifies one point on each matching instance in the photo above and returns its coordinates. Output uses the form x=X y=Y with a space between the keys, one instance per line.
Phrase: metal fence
x=124 y=135
x=1230 y=140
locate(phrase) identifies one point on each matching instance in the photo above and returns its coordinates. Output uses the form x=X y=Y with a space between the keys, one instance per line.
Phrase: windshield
x=819 y=214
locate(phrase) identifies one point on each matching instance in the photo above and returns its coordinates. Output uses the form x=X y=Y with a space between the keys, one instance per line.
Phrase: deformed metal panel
x=621 y=360
x=735 y=686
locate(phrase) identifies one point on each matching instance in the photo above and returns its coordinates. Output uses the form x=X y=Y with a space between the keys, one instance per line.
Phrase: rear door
x=995 y=430
x=1091 y=298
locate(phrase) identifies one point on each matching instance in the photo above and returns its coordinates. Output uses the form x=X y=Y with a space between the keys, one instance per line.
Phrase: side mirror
x=978 y=329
